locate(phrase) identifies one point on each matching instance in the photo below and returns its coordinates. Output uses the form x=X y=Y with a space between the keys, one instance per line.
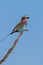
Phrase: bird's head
x=24 y=18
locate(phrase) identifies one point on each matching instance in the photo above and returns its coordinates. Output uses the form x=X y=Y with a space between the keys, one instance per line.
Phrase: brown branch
x=10 y=50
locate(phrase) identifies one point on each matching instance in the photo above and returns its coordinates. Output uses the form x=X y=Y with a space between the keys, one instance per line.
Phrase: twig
x=10 y=50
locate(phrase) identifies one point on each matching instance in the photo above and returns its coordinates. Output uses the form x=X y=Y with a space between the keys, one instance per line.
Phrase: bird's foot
x=26 y=30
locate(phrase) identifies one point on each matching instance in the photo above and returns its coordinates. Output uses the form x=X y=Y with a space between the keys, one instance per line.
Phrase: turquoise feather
x=22 y=28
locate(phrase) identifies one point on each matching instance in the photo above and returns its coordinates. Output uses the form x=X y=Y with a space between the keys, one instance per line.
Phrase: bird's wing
x=18 y=26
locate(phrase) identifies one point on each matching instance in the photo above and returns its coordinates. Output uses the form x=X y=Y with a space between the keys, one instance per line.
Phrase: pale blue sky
x=29 y=50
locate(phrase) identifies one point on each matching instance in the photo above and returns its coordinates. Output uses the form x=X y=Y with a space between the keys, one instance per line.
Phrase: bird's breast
x=22 y=28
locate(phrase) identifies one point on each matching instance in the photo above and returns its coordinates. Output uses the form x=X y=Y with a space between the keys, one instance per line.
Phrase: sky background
x=29 y=49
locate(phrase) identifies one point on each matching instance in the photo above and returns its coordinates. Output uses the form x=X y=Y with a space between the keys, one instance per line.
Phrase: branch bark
x=10 y=50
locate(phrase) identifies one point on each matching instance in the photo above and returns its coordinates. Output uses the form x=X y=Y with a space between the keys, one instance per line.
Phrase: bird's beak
x=27 y=17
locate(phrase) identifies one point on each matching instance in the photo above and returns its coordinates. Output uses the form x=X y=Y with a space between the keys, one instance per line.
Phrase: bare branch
x=10 y=50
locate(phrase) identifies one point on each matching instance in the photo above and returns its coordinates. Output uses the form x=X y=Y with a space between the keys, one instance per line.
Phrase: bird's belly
x=22 y=28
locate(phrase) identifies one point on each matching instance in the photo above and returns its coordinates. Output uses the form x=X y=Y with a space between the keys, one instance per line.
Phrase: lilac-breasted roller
x=20 y=27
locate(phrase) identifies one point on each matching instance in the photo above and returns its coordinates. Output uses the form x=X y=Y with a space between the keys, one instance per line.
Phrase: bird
x=20 y=27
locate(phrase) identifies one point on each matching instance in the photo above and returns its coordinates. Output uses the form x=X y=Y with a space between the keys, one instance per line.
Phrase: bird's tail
x=6 y=37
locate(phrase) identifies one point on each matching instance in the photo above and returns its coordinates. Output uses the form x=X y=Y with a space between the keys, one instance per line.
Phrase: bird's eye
x=24 y=17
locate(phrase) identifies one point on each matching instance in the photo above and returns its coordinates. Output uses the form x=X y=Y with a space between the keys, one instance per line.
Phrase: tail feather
x=5 y=37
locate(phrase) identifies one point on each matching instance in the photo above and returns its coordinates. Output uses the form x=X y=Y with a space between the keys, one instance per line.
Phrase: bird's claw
x=26 y=30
